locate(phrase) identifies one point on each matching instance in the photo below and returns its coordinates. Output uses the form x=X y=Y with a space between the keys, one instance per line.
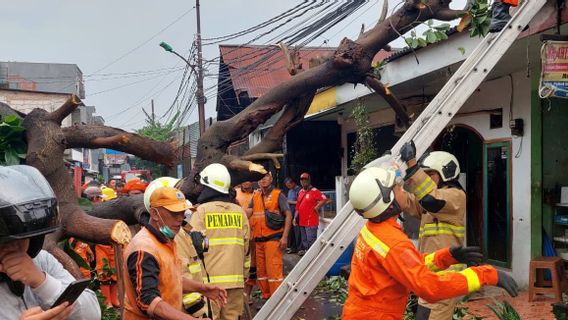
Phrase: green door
x=496 y=204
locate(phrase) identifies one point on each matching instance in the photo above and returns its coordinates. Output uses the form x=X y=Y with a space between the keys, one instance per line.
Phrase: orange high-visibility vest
x=169 y=279
x=258 y=221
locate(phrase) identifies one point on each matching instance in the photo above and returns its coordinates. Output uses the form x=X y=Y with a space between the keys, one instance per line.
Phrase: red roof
x=256 y=69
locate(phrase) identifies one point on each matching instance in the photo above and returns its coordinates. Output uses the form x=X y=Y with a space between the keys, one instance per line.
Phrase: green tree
x=364 y=149
x=160 y=132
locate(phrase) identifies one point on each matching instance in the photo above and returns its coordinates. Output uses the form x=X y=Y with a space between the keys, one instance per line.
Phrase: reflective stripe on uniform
x=226 y=241
x=432 y=229
x=247 y=262
x=380 y=247
x=275 y=280
x=225 y=279
x=472 y=280
x=424 y=188
x=429 y=262
x=191 y=298
x=194 y=268
x=453 y=268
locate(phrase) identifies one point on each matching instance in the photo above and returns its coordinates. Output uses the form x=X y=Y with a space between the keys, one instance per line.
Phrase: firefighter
x=193 y=302
x=438 y=200
x=386 y=266
x=500 y=14
x=105 y=262
x=226 y=226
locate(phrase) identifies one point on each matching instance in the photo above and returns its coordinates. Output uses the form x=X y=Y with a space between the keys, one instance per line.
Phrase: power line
x=143 y=43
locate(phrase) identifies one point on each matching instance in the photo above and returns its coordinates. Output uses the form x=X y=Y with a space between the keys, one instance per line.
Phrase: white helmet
x=371 y=193
x=445 y=163
x=217 y=177
x=156 y=184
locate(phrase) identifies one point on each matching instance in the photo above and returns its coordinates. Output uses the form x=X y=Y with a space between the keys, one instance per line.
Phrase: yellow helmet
x=108 y=193
x=371 y=193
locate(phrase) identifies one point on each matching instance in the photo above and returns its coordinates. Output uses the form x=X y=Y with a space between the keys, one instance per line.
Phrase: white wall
x=497 y=94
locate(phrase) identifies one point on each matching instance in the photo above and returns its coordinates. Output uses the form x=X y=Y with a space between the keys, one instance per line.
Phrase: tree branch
x=448 y=14
x=292 y=115
x=265 y=156
x=384 y=11
x=94 y=137
x=66 y=109
x=398 y=108
x=6 y=110
x=128 y=209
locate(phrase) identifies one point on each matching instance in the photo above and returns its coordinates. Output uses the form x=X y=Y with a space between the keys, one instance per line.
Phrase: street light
x=199 y=73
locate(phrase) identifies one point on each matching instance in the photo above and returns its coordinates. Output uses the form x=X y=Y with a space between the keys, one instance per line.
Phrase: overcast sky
x=123 y=36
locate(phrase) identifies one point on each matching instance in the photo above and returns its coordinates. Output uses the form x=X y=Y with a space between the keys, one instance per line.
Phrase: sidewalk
x=540 y=309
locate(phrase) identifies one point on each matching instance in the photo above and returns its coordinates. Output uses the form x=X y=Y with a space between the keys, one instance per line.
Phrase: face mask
x=165 y=230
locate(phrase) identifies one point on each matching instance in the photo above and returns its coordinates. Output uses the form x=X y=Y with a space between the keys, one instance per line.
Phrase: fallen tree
x=351 y=63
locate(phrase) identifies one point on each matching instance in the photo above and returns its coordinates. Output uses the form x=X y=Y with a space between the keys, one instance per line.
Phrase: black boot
x=499 y=16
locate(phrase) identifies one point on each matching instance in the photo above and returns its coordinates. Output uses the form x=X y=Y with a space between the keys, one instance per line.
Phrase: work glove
x=408 y=151
x=471 y=256
x=508 y=283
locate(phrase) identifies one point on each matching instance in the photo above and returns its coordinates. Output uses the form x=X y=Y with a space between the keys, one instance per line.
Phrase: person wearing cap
x=310 y=200
x=31 y=279
x=295 y=238
x=227 y=229
x=270 y=224
x=134 y=186
x=104 y=257
x=154 y=286
x=94 y=194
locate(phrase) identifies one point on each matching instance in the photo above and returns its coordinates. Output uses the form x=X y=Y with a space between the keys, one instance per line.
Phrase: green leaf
x=431 y=37
x=422 y=43
x=442 y=27
x=11 y=157
x=462 y=50
x=429 y=22
x=75 y=256
x=11 y=119
x=441 y=35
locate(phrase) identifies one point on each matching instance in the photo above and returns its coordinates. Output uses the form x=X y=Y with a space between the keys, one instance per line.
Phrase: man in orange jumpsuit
x=386 y=266
x=271 y=239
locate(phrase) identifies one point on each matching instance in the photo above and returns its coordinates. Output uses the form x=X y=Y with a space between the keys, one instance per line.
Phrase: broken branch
x=66 y=109
x=383 y=91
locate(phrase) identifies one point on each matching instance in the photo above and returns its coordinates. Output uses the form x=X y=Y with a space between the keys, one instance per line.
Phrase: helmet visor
x=28 y=220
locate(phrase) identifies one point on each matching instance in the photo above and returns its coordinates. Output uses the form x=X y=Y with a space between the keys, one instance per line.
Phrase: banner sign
x=554 y=74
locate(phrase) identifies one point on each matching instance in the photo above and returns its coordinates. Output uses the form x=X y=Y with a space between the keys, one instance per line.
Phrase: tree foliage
x=12 y=141
x=364 y=149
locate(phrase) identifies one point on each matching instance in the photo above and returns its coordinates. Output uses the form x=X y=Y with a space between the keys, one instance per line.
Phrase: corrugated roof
x=256 y=69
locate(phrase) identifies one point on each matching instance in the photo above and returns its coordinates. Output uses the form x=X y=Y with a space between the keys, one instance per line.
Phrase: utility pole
x=200 y=94
x=153 y=114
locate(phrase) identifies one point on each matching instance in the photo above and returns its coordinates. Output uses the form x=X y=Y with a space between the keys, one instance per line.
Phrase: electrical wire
x=210 y=41
x=144 y=43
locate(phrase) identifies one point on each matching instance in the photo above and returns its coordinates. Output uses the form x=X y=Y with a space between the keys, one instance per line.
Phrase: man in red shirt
x=310 y=200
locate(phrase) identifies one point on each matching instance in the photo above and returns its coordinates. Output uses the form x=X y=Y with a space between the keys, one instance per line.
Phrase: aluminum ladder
x=309 y=271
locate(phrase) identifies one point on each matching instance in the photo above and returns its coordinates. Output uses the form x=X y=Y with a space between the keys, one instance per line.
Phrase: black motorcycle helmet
x=28 y=207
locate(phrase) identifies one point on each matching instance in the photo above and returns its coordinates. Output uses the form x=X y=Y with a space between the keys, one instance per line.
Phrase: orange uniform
x=386 y=267
x=82 y=249
x=267 y=242
x=109 y=287
x=145 y=246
